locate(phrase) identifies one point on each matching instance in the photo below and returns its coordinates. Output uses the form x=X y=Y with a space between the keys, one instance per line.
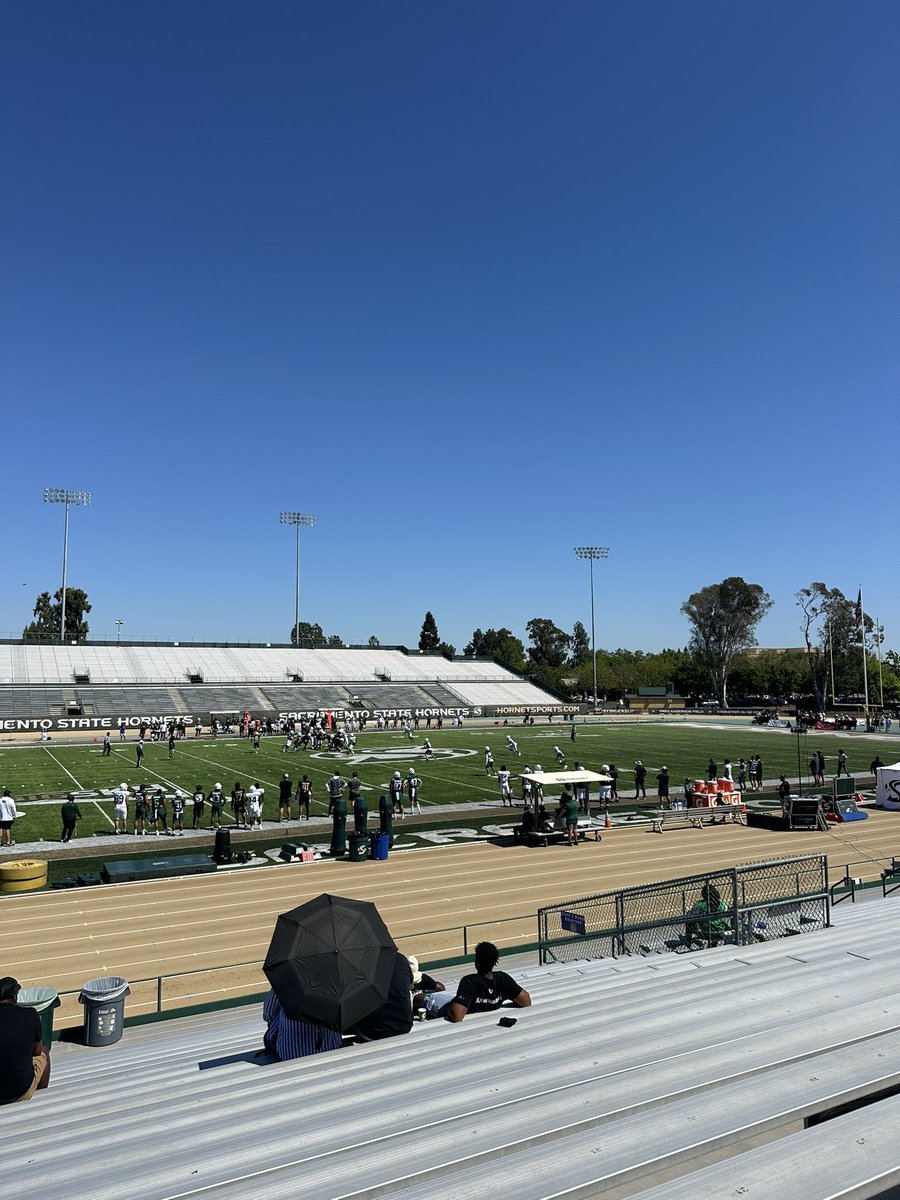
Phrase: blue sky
x=475 y=283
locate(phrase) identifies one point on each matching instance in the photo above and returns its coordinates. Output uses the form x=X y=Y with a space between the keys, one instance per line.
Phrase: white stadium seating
x=657 y=1077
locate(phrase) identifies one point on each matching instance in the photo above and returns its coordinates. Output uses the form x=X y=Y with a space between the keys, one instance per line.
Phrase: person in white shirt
x=120 y=808
x=254 y=806
x=511 y=745
x=8 y=813
x=503 y=778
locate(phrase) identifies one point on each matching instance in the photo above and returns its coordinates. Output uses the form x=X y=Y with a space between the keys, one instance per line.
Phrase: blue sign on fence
x=572 y=922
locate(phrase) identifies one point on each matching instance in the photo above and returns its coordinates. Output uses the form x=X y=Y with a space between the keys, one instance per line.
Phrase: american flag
x=859 y=611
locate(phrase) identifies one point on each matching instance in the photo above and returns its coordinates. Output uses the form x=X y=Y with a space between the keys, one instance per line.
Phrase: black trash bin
x=44 y=1000
x=104 y=1009
x=359 y=847
x=222 y=848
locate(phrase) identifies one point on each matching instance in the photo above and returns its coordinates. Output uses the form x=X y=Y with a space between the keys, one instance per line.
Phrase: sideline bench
x=539 y=838
x=697 y=817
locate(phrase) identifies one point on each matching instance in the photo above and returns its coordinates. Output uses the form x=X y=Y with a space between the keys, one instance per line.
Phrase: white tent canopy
x=558 y=778
x=887 y=786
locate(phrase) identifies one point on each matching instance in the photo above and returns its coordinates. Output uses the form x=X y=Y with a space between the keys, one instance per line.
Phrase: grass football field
x=41 y=775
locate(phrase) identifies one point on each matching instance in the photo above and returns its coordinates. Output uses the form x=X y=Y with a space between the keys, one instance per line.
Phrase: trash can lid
x=39 y=997
x=106 y=988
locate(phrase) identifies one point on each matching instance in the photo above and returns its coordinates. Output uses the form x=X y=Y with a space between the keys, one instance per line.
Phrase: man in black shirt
x=24 y=1061
x=484 y=991
x=285 y=792
x=640 y=775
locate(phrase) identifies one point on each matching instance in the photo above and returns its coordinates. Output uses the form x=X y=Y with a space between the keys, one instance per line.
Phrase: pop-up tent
x=887 y=786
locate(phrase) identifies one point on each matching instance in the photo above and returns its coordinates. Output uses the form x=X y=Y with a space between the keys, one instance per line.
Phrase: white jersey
x=120 y=799
x=503 y=781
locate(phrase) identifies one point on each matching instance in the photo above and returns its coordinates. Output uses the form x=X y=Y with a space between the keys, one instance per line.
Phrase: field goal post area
x=756 y=902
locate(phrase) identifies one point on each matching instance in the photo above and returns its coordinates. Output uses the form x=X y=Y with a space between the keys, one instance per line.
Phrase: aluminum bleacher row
x=673 y=1076
x=126 y=664
x=39 y=681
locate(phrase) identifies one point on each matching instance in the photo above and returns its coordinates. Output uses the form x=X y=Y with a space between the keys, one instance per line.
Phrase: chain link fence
x=754 y=903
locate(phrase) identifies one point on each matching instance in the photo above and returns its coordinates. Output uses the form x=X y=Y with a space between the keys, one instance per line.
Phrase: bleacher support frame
x=762 y=901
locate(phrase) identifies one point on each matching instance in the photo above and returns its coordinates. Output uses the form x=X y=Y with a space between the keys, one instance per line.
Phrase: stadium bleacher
x=40 y=680
x=651 y=1077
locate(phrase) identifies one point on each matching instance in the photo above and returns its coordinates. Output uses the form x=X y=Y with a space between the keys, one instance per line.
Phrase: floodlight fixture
x=80 y=499
x=592 y=553
x=298 y=519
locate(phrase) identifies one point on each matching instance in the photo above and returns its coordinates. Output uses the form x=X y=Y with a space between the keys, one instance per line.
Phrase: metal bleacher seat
x=298 y=697
x=511 y=691
x=625 y=1078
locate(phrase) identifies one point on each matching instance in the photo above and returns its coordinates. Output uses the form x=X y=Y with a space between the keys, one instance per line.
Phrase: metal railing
x=156 y=994
x=739 y=905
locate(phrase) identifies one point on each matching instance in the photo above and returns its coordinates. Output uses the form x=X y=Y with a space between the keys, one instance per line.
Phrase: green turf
x=55 y=769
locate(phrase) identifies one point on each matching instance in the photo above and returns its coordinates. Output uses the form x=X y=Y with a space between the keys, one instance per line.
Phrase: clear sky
x=475 y=283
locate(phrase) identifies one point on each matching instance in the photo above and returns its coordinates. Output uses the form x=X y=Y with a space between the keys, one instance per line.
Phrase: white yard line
x=68 y=772
x=105 y=813
x=173 y=786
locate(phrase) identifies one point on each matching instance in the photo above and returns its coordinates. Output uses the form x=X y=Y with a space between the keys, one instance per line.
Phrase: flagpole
x=862 y=631
x=831 y=662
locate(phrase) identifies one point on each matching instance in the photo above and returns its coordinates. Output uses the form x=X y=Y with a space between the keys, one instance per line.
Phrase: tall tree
x=832 y=635
x=499 y=644
x=429 y=638
x=723 y=619
x=374 y=642
x=308 y=635
x=48 y=613
x=580 y=648
x=549 y=644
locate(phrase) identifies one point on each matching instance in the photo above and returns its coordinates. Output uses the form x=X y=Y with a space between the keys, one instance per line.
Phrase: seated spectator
x=286 y=1038
x=485 y=991
x=528 y=823
x=421 y=984
x=420 y=981
x=24 y=1060
x=707 y=920
x=395 y=1016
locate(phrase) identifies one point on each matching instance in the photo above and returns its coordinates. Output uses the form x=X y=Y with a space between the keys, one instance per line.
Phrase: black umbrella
x=330 y=961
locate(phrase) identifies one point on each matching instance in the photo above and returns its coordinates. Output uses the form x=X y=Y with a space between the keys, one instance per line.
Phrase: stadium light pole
x=591 y=553
x=297 y=519
x=66 y=496
x=119 y=625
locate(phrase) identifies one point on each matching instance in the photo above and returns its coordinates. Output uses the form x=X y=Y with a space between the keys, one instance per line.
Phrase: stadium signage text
x=521 y=710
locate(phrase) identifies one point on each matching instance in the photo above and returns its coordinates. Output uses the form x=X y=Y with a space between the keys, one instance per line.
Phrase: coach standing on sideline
x=71 y=815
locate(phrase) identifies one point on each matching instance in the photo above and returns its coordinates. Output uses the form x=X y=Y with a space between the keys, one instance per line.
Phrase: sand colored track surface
x=195 y=929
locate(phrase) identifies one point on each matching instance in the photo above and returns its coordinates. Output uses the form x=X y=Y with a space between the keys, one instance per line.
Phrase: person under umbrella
x=331 y=961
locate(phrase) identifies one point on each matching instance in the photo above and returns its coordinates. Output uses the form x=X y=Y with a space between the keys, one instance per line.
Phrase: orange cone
x=607 y=823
